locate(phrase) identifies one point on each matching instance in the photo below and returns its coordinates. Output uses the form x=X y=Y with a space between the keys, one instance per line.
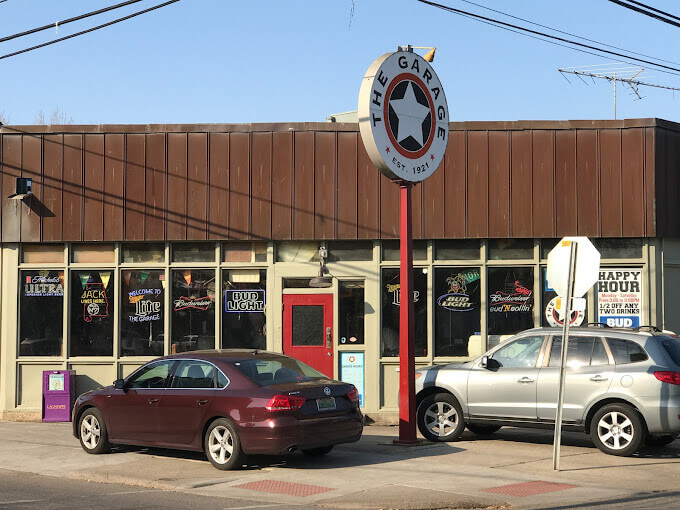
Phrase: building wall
x=315 y=181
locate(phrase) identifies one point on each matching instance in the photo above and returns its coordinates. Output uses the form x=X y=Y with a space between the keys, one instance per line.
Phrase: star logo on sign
x=409 y=116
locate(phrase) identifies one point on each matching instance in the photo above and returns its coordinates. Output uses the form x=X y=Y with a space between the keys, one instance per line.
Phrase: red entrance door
x=308 y=329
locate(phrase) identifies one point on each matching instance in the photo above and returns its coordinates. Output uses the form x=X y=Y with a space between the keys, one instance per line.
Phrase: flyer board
x=352 y=371
x=619 y=297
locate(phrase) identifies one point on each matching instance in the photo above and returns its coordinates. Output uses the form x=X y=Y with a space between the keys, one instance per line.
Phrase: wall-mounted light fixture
x=320 y=281
x=23 y=189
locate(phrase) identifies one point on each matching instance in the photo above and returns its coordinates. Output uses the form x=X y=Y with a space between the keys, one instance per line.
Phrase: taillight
x=668 y=377
x=285 y=403
x=353 y=395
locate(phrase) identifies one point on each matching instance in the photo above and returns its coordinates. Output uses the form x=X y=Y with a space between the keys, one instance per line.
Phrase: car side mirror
x=485 y=362
x=119 y=384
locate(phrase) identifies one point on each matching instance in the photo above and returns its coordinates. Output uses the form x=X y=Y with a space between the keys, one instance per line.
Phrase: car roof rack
x=647 y=327
x=599 y=324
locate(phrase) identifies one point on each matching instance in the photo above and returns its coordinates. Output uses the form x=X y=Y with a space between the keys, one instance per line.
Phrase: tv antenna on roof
x=614 y=73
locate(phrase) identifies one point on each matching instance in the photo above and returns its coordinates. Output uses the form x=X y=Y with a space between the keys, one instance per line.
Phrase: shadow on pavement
x=370 y=450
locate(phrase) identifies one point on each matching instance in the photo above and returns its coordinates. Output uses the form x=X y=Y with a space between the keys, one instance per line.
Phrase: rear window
x=673 y=349
x=626 y=351
x=269 y=371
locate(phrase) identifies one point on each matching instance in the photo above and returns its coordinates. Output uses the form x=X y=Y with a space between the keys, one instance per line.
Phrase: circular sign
x=553 y=317
x=403 y=116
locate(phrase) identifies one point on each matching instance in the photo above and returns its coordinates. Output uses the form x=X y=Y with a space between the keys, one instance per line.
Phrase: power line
x=502 y=24
x=567 y=33
x=65 y=21
x=653 y=9
x=648 y=12
x=89 y=29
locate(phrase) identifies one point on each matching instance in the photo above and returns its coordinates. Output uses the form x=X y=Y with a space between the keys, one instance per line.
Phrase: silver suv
x=622 y=387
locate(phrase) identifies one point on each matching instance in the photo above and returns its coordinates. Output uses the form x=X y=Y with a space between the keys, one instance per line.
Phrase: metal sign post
x=407 y=369
x=563 y=361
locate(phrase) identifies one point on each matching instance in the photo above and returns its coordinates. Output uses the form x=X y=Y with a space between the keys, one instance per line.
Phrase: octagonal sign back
x=403 y=116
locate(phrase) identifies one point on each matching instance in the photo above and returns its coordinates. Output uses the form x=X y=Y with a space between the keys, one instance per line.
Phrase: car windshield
x=279 y=370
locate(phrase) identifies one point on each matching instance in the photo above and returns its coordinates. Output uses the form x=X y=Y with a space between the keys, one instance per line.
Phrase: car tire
x=617 y=429
x=94 y=438
x=659 y=440
x=483 y=430
x=222 y=445
x=440 y=417
x=318 y=452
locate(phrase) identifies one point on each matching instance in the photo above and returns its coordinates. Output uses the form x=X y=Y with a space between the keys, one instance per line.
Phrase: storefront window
x=618 y=248
x=339 y=251
x=244 y=321
x=193 y=309
x=549 y=315
x=42 y=313
x=456 y=249
x=511 y=299
x=244 y=252
x=42 y=253
x=351 y=310
x=457 y=297
x=511 y=249
x=142 y=306
x=136 y=253
x=93 y=254
x=92 y=311
x=193 y=252
x=297 y=251
x=390 y=311
x=391 y=250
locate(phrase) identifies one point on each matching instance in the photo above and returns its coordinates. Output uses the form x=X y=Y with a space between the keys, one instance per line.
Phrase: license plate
x=325 y=403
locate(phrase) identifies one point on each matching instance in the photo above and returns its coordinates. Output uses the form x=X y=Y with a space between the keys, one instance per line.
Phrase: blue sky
x=203 y=61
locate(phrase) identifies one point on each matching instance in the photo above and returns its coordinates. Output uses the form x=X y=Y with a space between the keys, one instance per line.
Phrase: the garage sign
x=403 y=116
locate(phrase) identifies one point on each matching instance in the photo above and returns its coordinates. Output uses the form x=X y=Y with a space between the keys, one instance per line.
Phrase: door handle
x=525 y=380
x=202 y=402
x=152 y=400
x=598 y=378
x=328 y=338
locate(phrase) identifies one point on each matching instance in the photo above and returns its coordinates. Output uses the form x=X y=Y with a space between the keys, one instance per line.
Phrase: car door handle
x=152 y=400
x=599 y=378
x=202 y=402
x=525 y=380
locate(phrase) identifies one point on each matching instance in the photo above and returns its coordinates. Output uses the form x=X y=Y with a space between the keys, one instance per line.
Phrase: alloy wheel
x=615 y=430
x=441 y=419
x=90 y=431
x=221 y=444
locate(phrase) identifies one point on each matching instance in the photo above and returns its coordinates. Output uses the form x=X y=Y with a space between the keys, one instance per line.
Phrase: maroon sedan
x=229 y=403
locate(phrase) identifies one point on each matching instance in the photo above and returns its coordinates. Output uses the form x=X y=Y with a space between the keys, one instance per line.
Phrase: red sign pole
x=407 y=382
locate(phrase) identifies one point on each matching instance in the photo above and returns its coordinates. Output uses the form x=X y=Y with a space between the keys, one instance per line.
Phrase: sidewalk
x=512 y=469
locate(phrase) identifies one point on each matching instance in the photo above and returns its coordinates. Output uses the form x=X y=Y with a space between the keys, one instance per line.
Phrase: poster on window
x=619 y=297
x=352 y=371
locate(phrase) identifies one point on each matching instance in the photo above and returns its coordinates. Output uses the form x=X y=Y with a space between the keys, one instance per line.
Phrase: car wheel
x=482 y=430
x=93 y=435
x=223 y=446
x=440 y=417
x=617 y=429
x=659 y=440
x=318 y=452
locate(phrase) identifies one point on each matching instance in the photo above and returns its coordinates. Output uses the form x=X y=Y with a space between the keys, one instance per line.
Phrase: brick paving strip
x=287 y=488
x=525 y=489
